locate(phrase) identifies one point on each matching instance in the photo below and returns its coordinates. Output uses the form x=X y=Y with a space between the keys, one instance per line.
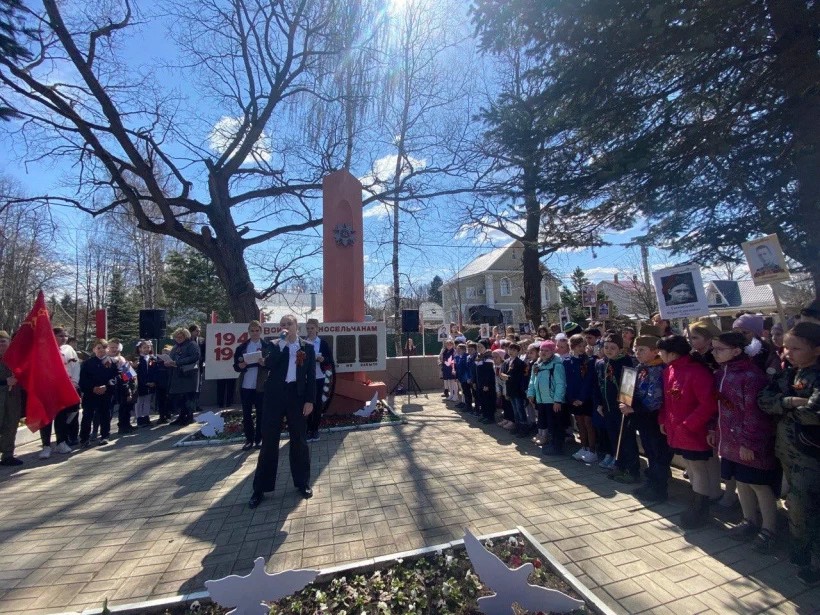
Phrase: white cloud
x=383 y=170
x=377 y=294
x=481 y=232
x=596 y=274
x=377 y=210
x=226 y=129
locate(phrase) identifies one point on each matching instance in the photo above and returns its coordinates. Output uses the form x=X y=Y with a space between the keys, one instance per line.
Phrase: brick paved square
x=143 y=520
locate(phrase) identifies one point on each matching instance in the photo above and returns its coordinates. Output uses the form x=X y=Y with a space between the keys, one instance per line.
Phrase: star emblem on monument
x=344 y=234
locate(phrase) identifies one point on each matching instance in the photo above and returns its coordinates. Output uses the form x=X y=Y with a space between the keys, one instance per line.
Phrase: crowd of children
x=737 y=406
x=110 y=385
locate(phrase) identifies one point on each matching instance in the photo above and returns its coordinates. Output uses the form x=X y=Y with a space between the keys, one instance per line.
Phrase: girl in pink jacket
x=689 y=412
x=745 y=438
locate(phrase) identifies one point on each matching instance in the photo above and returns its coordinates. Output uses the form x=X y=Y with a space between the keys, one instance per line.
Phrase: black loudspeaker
x=152 y=324
x=409 y=321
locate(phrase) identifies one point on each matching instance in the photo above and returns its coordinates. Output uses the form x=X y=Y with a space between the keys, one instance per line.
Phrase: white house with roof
x=628 y=296
x=491 y=288
x=728 y=297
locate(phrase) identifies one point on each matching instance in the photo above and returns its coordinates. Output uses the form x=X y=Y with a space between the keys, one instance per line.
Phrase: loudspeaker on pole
x=152 y=324
x=409 y=321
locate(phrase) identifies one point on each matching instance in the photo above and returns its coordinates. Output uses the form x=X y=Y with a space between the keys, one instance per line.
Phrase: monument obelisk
x=343 y=279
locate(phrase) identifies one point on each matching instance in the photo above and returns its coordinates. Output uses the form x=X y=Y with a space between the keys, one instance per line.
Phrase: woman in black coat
x=184 y=376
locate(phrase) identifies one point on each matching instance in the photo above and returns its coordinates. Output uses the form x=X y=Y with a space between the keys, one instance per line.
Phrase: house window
x=506 y=287
x=508 y=316
x=471 y=292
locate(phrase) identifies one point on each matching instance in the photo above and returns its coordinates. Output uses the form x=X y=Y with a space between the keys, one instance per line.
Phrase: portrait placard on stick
x=484 y=330
x=766 y=261
x=563 y=316
x=443 y=333
x=603 y=311
x=627 y=390
x=680 y=292
x=589 y=295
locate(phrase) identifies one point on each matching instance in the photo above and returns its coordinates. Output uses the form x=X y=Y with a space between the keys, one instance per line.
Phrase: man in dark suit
x=290 y=390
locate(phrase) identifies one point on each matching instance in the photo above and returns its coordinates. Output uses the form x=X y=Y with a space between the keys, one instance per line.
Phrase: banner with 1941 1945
x=356 y=346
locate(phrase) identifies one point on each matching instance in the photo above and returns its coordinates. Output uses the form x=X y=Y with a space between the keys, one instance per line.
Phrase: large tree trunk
x=233 y=272
x=530 y=260
x=798 y=67
x=532 y=284
x=227 y=252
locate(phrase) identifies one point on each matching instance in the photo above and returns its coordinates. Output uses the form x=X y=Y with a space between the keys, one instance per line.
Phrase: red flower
x=537 y=563
x=300 y=357
x=515 y=561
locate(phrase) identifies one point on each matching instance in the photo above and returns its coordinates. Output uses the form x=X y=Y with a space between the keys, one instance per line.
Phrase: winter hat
x=750 y=322
x=561 y=336
x=812 y=310
x=547 y=345
x=461 y=339
x=534 y=346
x=570 y=328
x=706 y=327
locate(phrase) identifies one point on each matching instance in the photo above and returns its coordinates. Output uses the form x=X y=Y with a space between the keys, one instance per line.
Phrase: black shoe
x=649 y=495
x=102 y=442
x=256 y=499
x=257 y=446
x=697 y=514
x=800 y=555
x=743 y=530
x=162 y=420
x=809 y=575
x=126 y=430
x=73 y=442
x=247 y=446
x=11 y=461
x=85 y=444
x=306 y=492
x=765 y=541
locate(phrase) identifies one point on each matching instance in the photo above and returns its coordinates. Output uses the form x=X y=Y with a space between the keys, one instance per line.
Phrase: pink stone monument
x=343 y=255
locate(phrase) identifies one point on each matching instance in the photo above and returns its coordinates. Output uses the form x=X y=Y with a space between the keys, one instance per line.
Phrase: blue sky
x=433 y=247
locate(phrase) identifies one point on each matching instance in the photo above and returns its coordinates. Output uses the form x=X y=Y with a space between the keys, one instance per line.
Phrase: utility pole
x=647 y=279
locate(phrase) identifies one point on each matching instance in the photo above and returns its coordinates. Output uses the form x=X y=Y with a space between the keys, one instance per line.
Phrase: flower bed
x=436 y=580
x=233 y=430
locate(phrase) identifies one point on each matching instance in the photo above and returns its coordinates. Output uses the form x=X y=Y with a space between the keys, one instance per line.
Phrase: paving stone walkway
x=140 y=520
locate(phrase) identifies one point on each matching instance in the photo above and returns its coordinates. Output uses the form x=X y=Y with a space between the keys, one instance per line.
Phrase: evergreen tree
x=123 y=309
x=193 y=289
x=434 y=294
x=702 y=114
x=11 y=27
x=571 y=297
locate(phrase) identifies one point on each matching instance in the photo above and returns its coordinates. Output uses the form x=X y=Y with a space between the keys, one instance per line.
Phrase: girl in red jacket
x=689 y=410
x=745 y=439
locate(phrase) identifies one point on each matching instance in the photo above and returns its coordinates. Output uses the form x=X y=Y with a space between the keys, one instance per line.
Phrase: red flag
x=35 y=360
